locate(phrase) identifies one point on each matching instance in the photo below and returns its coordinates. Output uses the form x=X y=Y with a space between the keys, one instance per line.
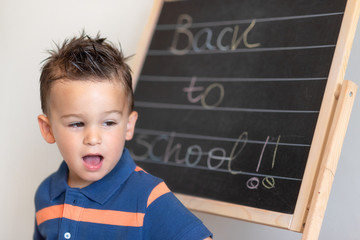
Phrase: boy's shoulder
x=51 y=185
x=140 y=174
x=143 y=182
x=42 y=194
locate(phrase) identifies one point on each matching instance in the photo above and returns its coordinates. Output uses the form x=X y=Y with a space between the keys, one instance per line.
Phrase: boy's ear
x=45 y=129
x=130 y=126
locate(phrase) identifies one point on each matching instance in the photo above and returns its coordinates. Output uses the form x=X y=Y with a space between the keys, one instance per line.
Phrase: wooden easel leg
x=331 y=154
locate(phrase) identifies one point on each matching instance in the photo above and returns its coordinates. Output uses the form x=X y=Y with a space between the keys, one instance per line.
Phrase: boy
x=98 y=191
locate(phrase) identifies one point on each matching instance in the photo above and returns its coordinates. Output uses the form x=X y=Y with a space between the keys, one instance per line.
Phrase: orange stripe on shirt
x=158 y=191
x=49 y=213
x=138 y=169
x=110 y=217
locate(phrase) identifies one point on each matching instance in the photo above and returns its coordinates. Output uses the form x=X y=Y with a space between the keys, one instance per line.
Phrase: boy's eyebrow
x=72 y=115
x=81 y=115
x=114 y=111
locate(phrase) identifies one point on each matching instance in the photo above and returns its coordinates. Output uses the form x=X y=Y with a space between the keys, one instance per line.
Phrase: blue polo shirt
x=128 y=203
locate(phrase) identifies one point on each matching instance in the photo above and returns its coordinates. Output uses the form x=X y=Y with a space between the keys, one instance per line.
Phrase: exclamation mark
x=262 y=153
x=269 y=182
x=254 y=182
x=275 y=151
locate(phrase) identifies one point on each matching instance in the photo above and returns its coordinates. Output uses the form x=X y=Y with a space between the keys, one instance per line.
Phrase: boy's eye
x=109 y=123
x=76 y=124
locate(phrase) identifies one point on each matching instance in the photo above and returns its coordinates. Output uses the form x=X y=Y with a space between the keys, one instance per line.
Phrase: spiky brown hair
x=83 y=58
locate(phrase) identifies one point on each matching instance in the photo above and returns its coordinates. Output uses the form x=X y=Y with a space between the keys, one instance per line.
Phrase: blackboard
x=229 y=97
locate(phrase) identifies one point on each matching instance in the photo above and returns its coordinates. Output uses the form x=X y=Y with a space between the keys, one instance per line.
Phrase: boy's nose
x=92 y=137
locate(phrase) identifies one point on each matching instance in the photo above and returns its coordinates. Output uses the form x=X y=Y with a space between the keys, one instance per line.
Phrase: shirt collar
x=99 y=191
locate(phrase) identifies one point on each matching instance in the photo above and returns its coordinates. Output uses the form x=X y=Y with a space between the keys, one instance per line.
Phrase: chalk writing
x=253 y=183
x=275 y=151
x=235 y=153
x=268 y=182
x=203 y=95
x=193 y=150
x=221 y=158
x=262 y=153
x=193 y=154
x=202 y=40
x=164 y=150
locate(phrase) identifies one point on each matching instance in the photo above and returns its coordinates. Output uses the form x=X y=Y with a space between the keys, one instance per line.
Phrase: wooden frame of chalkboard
x=163 y=48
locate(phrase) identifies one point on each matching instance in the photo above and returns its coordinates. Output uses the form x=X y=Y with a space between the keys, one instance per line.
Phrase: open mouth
x=93 y=161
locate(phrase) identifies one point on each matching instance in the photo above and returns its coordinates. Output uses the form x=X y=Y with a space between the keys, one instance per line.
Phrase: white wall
x=27 y=29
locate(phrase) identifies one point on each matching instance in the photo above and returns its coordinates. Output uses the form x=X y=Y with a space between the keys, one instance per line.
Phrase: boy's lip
x=93 y=162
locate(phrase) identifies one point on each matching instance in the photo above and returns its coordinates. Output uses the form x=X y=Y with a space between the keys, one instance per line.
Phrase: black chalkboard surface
x=229 y=97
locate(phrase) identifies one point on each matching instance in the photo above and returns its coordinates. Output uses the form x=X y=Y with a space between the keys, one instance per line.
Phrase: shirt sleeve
x=166 y=218
x=37 y=235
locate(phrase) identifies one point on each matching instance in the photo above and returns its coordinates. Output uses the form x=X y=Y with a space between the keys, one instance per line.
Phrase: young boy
x=98 y=192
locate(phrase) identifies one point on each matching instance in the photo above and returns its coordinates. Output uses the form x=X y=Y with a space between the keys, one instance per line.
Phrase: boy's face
x=90 y=122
